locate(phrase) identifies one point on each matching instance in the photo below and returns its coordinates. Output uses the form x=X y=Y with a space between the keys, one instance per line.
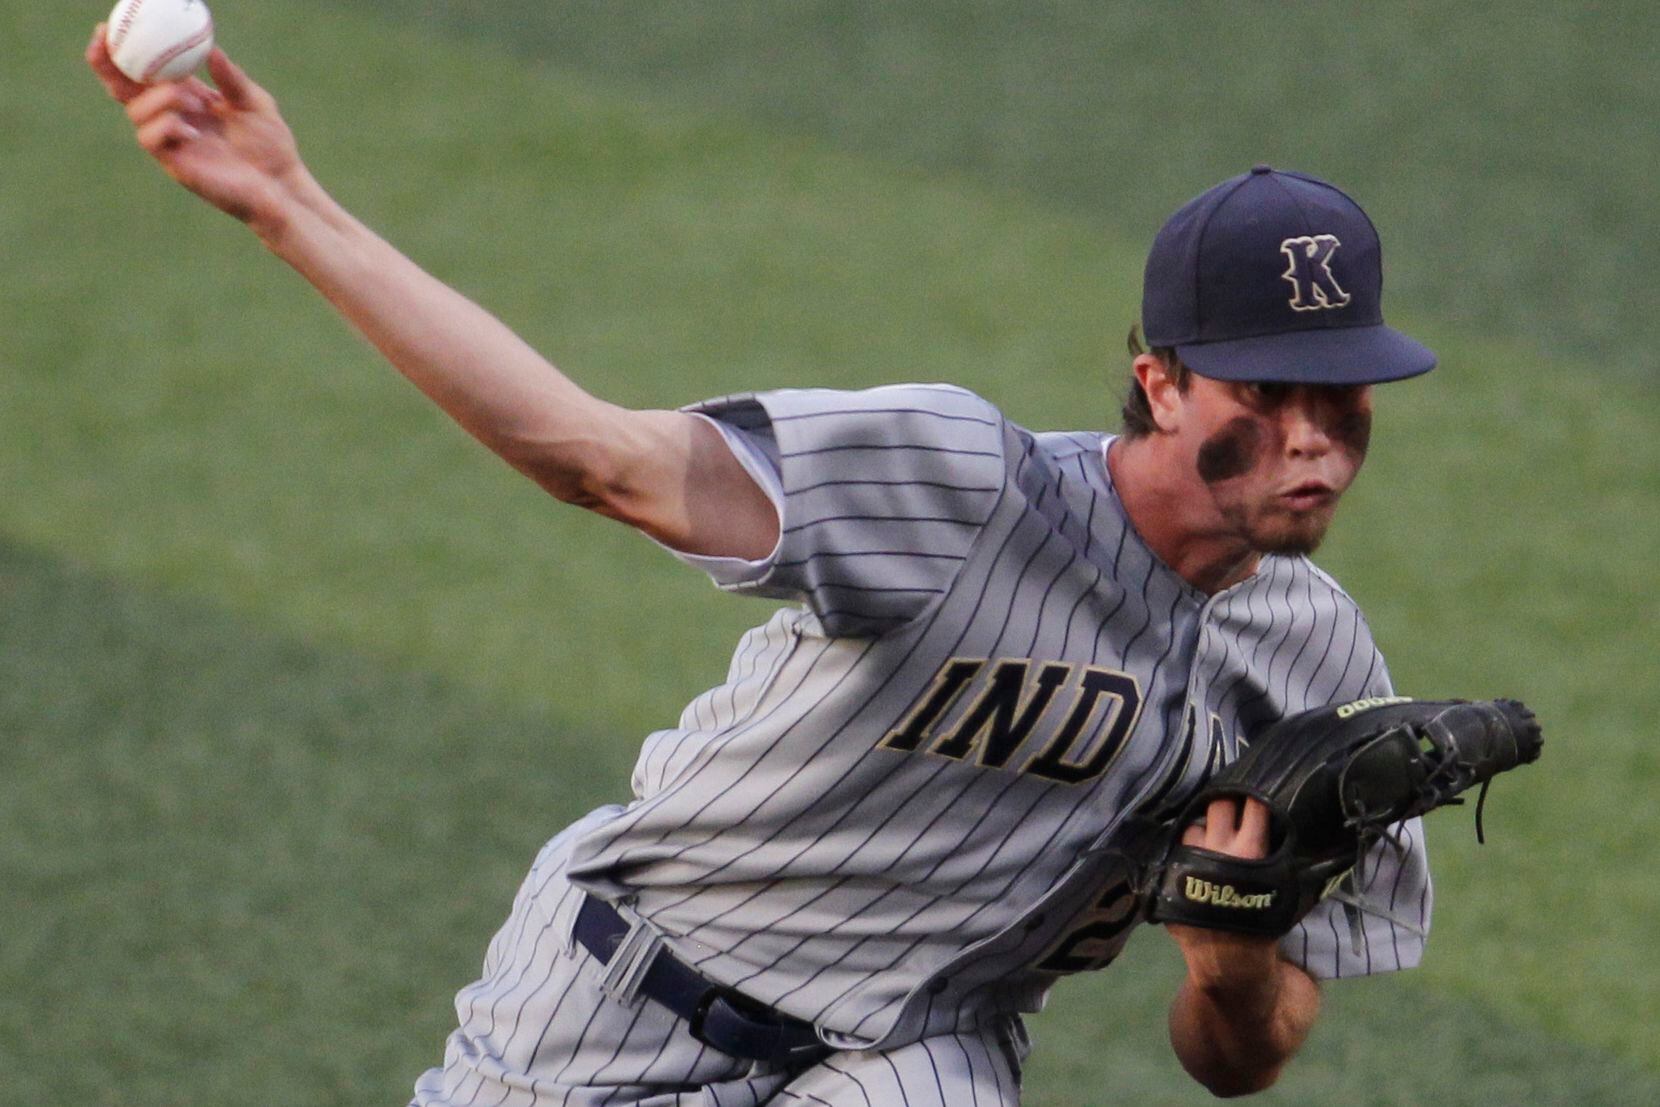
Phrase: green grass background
x=294 y=679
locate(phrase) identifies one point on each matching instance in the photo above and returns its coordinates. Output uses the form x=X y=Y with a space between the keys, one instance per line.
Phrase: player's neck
x=1173 y=513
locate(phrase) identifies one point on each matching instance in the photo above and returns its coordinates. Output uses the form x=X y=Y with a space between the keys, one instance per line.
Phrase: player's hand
x=1222 y=961
x=228 y=144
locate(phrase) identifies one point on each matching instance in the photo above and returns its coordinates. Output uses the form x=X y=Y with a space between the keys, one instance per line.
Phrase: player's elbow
x=1233 y=1083
x=1229 y=1077
x=1235 y=1049
x=595 y=464
x=576 y=471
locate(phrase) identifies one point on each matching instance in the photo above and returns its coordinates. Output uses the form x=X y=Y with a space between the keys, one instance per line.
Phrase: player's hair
x=1137 y=413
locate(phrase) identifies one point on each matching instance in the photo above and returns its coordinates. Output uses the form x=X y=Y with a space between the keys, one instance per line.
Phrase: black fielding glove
x=1335 y=781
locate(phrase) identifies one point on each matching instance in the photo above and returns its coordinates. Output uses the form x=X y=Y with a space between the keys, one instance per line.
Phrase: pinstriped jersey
x=924 y=783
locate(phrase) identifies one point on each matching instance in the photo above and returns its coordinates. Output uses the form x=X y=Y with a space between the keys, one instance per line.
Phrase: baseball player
x=919 y=797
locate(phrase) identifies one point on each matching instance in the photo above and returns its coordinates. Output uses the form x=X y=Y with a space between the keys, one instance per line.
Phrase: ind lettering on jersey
x=1052 y=719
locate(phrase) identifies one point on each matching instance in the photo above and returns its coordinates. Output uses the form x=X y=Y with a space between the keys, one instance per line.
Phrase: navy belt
x=719 y=1017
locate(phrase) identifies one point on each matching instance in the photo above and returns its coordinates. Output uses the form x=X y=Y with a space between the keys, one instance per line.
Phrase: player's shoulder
x=893 y=426
x=1322 y=589
x=1336 y=637
x=1065 y=445
x=898 y=402
x=1326 y=582
x=927 y=402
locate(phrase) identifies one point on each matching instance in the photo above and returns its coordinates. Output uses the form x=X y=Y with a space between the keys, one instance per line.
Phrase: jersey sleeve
x=881 y=495
x=1394 y=885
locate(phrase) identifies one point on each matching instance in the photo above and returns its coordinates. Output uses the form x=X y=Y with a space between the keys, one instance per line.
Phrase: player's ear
x=1164 y=393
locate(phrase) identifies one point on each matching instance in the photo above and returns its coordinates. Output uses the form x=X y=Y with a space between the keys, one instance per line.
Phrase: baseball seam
x=168 y=55
x=125 y=26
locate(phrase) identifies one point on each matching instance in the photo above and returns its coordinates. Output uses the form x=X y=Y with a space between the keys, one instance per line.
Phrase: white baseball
x=159 y=40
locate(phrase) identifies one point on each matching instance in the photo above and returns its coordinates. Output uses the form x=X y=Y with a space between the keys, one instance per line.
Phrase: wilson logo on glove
x=1203 y=891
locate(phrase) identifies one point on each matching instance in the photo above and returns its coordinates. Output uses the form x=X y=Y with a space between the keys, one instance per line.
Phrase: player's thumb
x=239 y=89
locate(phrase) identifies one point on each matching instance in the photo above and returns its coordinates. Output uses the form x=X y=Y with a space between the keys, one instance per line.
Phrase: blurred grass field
x=294 y=679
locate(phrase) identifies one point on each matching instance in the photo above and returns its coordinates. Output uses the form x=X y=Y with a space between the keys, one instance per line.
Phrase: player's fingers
x=165 y=133
x=239 y=89
x=201 y=88
x=1221 y=824
x=1253 y=830
x=116 y=83
x=173 y=96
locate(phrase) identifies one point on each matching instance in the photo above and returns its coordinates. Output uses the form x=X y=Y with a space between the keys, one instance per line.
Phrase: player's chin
x=1292 y=534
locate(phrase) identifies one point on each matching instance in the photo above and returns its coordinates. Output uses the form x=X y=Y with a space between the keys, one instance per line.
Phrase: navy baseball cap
x=1275 y=276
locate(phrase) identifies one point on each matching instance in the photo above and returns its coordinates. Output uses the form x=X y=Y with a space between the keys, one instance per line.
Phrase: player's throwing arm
x=666 y=473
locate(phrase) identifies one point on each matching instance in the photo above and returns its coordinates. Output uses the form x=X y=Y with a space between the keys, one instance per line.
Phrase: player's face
x=1276 y=458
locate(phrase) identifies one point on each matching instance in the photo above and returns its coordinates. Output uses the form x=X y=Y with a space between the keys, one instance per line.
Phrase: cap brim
x=1334 y=355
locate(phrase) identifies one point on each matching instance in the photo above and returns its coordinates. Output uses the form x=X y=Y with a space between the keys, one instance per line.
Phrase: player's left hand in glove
x=1333 y=782
x=1239 y=830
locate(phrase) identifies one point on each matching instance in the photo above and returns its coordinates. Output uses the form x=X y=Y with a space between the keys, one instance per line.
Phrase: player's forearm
x=1235 y=1039
x=664 y=472
x=468 y=362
